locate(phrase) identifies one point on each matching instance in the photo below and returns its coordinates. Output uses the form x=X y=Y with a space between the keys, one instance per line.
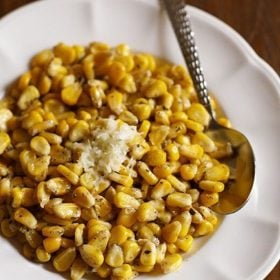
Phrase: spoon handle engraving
x=181 y=24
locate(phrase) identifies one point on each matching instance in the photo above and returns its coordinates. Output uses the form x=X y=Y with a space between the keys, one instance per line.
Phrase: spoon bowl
x=242 y=168
x=240 y=156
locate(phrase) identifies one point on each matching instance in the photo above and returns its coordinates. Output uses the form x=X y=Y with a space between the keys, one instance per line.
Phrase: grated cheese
x=107 y=148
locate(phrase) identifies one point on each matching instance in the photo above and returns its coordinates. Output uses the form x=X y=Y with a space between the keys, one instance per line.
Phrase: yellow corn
x=5 y=190
x=204 y=228
x=83 y=197
x=116 y=72
x=131 y=249
x=44 y=84
x=188 y=171
x=102 y=206
x=40 y=146
x=79 y=131
x=142 y=111
x=170 y=232
x=25 y=217
x=194 y=151
x=58 y=186
x=176 y=183
x=68 y=174
x=99 y=237
x=28 y=197
x=52 y=138
x=63 y=261
x=119 y=234
x=5 y=116
x=224 y=122
x=184 y=244
x=204 y=141
x=66 y=53
x=198 y=113
x=176 y=129
x=52 y=244
x=158 y=136
x=171 y=263
x=103 y=271
x=127 y=84
x=218 y=172
x=24 y=80
x=128 y=117
x=155 y=157
x=185 y=219
x=121 y=179
x=171 y=248
x=114 y=256
x=127 y=217
x=172 y=152
x=7 y=228
x=146 y=173
x=96 y=96
x=162 y=171
x=123 y=272
x=194 y=126
x=33 y=238
x=26 y=98
x=87 y=67
x=178 y=199
x=79 y=235
x=67 y=243
x=53 y=231
x=146 y=212
x=4 y=141
x=67 y=211
x=161 y=251
x=148 y=254
x=162 y=117
x=71 y=94
x=161 y=189
x=42 y=194
x=42 y=255
x=115 y=102
x=91 y=255
x=211 y=186
x=156 y=89
x=208 y=199
x=143 y=268
x=123 y=200
x=78 y=269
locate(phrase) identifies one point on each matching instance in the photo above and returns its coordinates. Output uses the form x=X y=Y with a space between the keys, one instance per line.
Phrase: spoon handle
x=180 y=21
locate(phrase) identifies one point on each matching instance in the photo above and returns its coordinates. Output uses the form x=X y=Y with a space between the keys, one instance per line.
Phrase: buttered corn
x=104 y=163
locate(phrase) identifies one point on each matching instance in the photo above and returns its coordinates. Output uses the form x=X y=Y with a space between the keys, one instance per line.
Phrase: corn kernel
x=146 y=212
x=211 y=186
x=114 y=256
x=25 y=217
x=171 y=232
x=155 y=157
x=171 y=263
x=82 y=197
x=52 y=244
x=91 y=255
x=78 y=269
x=4 y=141
x=63 y=261
x=177 y=199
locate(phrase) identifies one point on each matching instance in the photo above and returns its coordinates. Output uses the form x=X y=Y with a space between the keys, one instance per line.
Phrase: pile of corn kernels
x=130 y=221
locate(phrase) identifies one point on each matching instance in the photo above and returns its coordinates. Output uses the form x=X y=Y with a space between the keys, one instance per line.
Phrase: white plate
x=247 y=244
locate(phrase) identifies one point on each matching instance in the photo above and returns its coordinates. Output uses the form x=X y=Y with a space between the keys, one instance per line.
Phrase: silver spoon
x=241 y=161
